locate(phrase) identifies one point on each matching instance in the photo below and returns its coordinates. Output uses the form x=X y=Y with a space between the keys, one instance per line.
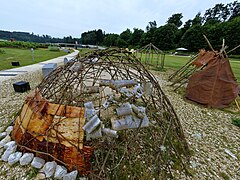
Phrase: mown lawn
x=24 y=56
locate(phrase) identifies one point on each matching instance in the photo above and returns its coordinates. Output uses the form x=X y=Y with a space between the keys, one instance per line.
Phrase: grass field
x=24 y=56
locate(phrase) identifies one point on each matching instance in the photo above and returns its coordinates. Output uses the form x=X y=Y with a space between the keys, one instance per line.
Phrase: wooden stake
x=233 y=49
x=237 y=104
x=209 y=43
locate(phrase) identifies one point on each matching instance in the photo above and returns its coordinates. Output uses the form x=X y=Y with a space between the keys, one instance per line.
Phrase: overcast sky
x=59 y=18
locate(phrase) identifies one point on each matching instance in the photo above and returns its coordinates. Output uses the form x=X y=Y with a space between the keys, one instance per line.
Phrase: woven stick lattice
x=135 y=129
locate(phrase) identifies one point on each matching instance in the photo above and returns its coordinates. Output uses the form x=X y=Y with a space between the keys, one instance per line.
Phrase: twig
x=104 y=162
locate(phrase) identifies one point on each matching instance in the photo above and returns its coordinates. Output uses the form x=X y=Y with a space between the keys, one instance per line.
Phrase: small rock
x=8 y=152
x=26 y=158
x=4 y=141
x=71 y=176
x=41 y=175
x=37 y=162
x=230 y=153
x=3 y=134
x=193 y=164
x=10 y=144
x=49 y=168
x=163 y=148
x=13 y=158
x=60 y=172
x=197 y=136
x=9 y=129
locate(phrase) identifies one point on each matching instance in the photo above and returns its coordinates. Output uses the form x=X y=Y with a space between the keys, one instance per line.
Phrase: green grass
x=235 y=64
x=175 y=62
x=24 y=56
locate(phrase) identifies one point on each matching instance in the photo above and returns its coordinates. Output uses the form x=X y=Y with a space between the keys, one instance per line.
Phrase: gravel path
x=209 y=132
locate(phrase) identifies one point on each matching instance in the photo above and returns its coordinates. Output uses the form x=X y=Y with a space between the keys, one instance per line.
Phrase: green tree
x=193 y=38
x=151 y=25
x=126 y=35
x=165 y=37
x=121 y=43
x=136 y=36
x=100 y=36
x=175 y=19
x=197 y=20
x=232 y=33
x=234 y=9
x=110 y=40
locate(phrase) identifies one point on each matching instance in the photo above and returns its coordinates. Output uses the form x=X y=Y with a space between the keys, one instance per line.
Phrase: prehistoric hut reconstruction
x=214 y=85
x=209 y=77
x=151 y=55
x=106 y=116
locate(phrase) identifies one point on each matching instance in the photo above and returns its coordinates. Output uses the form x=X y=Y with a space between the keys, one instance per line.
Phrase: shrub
x=236 y=121
x=2 y=51
x=21 y=44
x=53 y=48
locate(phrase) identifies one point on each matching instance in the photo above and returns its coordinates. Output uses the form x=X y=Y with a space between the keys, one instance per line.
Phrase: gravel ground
x=209 y=132
x=210 y=135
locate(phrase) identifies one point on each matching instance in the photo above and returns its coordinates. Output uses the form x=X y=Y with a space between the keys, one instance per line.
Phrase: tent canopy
x=181 y=49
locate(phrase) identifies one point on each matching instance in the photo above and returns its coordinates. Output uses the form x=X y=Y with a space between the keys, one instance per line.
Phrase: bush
x=236 y=121
x=2 y=51
x=21 y=44
x=53 y=48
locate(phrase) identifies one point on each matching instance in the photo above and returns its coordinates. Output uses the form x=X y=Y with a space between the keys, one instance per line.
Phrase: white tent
x=181 y=49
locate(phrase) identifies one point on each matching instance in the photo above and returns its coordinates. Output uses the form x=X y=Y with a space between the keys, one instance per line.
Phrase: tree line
x=31 y=37
x=221 y=21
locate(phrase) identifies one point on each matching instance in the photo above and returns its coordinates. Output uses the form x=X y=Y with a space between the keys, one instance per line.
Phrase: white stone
x=26 y=159
x=9 y=129
x=10 y=144
x=13 y=158
x=163 y=148
x=110 y=132
x=197 y=136
x=38 y=162
x=3 y=134
x=49 y=168
x=92 y=124
x=193 y=164
x=8 y=152
x=230 y=153
x=82 y=178
x=4 y=141
x=60 y=172
x=71 y=176
x=40 y=175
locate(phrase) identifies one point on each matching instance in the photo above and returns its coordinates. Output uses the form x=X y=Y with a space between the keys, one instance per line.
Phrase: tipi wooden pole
x=233 y=49
x=209 y=43
x=237 y=104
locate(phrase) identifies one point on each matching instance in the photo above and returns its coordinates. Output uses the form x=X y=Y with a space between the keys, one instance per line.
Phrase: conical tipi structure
x=105 y=115
x=215 y=85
